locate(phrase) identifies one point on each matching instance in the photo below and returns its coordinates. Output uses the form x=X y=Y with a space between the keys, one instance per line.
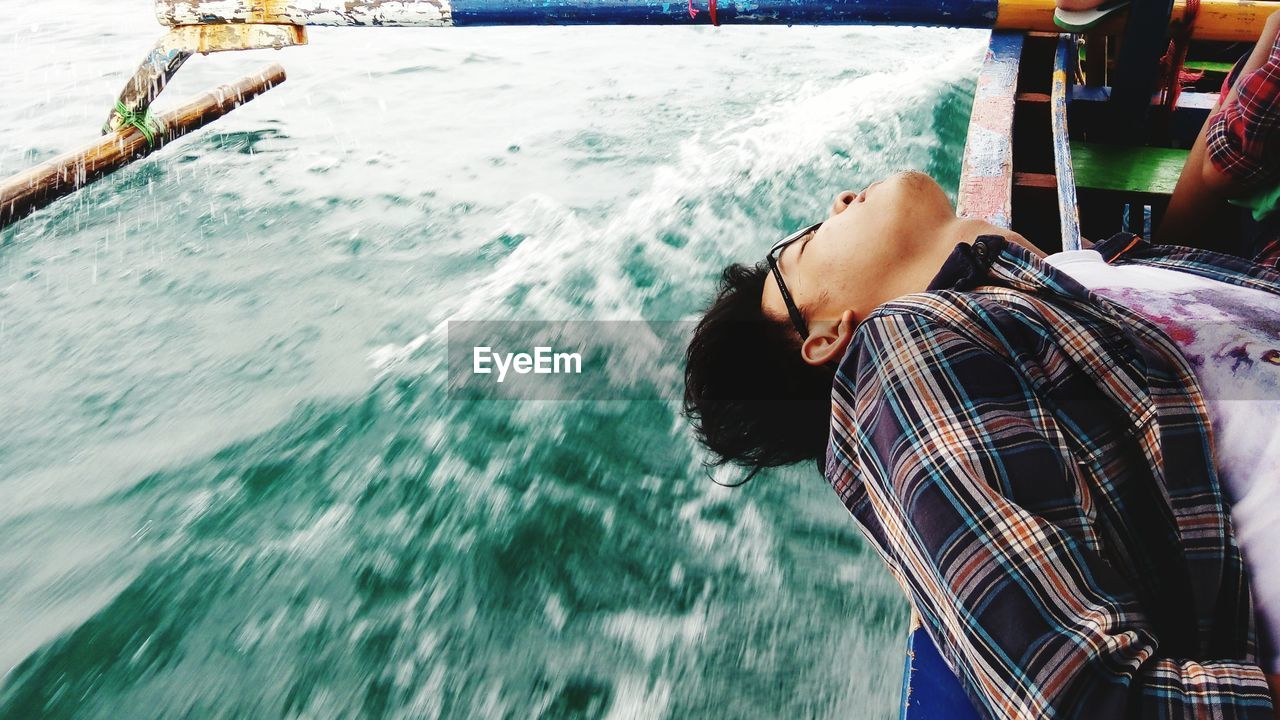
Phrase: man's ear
x=828 y=339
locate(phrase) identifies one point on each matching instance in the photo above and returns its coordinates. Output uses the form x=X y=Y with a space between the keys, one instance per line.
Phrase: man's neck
x=966 y=230
x=921 y=266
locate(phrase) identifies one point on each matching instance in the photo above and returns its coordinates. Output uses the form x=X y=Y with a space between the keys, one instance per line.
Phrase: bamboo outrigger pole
x=23 y=194
x=131 y=133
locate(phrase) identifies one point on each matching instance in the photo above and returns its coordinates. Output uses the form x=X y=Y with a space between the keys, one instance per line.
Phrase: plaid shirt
x=1034 y=464
x=1243 y=139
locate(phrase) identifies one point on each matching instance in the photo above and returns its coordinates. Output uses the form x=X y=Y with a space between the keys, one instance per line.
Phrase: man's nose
x=842 y=201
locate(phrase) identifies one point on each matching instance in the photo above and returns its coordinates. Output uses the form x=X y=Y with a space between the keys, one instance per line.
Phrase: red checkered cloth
x=1244 y=137
x=1269 y=255
x=1244 y=144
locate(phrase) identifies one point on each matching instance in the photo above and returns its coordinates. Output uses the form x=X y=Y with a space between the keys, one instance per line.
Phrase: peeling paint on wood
x=434 y=13
x=1217 y=19
x=1068 y=208
x=180 y=43
x=956 y=13
x=931 y=691
x=207 y=39
x=371 y=13
x=986 y=175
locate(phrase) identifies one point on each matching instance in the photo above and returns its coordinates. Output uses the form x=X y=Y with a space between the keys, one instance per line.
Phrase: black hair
x=752 y=399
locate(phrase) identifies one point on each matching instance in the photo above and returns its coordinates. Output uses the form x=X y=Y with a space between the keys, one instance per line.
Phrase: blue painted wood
x=950 y=13
x=931 y=691
x=1184 y=125
x=1068 y=209
x=1187 y=99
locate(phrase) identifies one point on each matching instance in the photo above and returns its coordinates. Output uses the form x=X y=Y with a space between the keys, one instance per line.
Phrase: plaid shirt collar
x=970 y=265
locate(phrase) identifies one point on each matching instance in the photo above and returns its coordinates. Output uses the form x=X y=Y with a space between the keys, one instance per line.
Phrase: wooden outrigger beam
x=23 y=194
x=179 y=44
x=1230 y=20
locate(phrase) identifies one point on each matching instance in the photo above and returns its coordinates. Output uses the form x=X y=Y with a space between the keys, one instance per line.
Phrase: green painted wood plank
x=1211 y=66
x=1127 y=169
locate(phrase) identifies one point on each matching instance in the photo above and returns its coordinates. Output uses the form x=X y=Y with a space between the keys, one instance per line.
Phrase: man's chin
x=917 y=179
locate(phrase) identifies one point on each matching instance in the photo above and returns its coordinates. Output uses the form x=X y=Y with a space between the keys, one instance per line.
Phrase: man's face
x=849 y=262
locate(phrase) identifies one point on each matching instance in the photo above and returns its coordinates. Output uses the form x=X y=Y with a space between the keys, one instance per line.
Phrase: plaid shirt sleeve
x=1243 y=139
x=1033 y=621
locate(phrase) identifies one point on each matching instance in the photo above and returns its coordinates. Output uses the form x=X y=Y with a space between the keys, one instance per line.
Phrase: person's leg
x=1193 y=204
x=1194 y=201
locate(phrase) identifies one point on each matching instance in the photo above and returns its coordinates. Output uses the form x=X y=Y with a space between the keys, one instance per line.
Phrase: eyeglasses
x=797 y=319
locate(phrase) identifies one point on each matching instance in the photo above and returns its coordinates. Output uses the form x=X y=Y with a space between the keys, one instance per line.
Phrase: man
x=1033 y=461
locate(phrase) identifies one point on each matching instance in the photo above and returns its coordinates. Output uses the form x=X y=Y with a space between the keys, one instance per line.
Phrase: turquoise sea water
x=231 y=482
